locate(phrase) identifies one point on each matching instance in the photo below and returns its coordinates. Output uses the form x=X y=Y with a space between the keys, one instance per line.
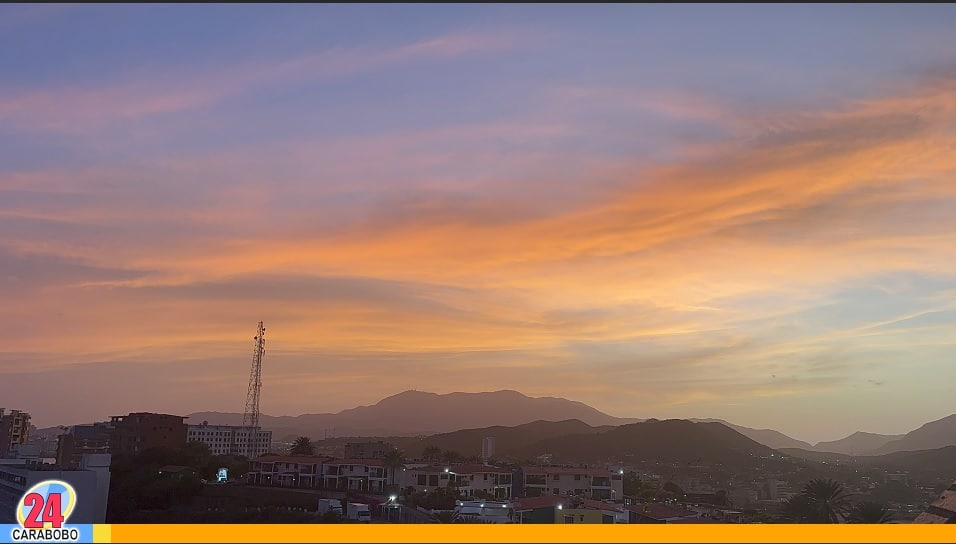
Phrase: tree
x=431 y=453
x=302 y=446
x=820 y=501
x=632 y=484
x=798 y=509
x=394 y=460
x=828 y=499
x=451 y=456
x=869 y=512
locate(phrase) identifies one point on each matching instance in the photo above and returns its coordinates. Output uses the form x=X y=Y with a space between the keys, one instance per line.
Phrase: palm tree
x=393 y=461
x=798 y=509
x=302 y=446
x=870 y=512
x=827 y=500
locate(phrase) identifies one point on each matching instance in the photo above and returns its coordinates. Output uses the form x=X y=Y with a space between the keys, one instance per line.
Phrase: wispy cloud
x=77 y=110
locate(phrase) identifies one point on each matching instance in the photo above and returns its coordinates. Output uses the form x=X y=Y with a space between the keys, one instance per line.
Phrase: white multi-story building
x=469 y=480
x=488 y=447
x=231 y=439
x=593 y=483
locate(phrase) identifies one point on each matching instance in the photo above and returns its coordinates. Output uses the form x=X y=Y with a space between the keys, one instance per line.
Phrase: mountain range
x=417 y=413
x=421 y=413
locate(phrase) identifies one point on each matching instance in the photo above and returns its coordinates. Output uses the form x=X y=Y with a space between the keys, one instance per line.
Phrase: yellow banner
x=526 y=533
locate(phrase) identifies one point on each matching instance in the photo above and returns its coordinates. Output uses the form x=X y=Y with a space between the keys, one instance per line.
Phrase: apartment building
x=140 y=431
x=593 y=483
x=470 y=480
x=81 y=440
x=355 y=474
x=14 y=429
x=231 y=439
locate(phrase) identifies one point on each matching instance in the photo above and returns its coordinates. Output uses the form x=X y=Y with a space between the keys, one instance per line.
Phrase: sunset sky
x=737 y=212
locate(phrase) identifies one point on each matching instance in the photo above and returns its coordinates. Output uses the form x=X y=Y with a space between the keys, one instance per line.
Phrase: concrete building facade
x=81 y=440
x=488 y=447
x=140 y=431
x=14 y=429
x=592 y=483
x=231 y=439
x=90 y=482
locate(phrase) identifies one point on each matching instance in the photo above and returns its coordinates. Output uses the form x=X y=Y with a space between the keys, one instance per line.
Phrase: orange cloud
x=632 y=286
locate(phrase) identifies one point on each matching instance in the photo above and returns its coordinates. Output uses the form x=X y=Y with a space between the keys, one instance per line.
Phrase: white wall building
x=488 y=447
x=470 y=480
x=231 y=439
x=91 y=482
x=593 y=483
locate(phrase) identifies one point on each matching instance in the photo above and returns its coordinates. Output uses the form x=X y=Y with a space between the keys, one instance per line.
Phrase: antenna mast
x=250 y=418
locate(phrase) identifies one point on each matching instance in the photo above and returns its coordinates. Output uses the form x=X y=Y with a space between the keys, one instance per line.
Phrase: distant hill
x=417 y=413
x=933 y=435
x=767 y=437
x=858 y=443
x=819 y=456
x=509 y=441
x=923 y=463
x=670 y=441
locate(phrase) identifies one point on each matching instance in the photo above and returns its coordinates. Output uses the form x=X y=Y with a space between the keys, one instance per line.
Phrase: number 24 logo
x=51 y=510
x=47 y=504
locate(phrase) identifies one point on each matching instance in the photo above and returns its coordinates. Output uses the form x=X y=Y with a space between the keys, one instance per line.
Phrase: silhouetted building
x=231 y=439
x=81 y=440
x=368 y=450
x=140 y=431
x=14 y=429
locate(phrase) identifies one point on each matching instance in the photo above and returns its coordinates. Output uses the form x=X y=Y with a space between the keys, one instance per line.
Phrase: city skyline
x=734 y=212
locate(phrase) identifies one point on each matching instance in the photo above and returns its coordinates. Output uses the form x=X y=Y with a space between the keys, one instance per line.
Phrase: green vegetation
x=141 y=493
x=302 y=446
x=826 y=501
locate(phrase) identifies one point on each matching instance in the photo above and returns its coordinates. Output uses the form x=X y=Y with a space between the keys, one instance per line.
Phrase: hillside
x=670 y=441
x=767 y=437
x=417 y=413
x=933 y=435
x=858 y=443
x=509 y=441
x=932 y=463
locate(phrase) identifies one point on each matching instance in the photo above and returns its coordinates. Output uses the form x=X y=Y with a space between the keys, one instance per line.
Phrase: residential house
x=286 y=471
x=565 y=509
x=355 y=474
x=593 y=483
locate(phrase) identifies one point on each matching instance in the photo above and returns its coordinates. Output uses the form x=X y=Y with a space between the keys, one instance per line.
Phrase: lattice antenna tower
x=250 y=418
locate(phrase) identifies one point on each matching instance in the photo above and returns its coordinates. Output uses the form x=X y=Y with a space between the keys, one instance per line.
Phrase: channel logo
x=43 y=512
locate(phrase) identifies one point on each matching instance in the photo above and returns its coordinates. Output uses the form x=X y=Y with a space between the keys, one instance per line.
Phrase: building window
x=556 y=477
x=569 y=519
